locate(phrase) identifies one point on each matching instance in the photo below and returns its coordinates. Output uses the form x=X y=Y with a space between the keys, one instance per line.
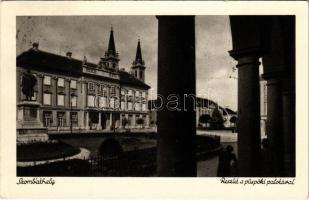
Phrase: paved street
x=208 y=168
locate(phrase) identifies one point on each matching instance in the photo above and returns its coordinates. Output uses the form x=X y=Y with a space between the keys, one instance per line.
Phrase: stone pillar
x=68 y=118
x=279 y=70
x=133 y=125
x=288 y=113
x=176 y=75
x=120 y=120
x=274 y=126
x=248 y=116
x=250 y=38
x=40 y=89
x=110 y=122
x=99 y=127
x=147 y=121
x=87 y=120
x=55 y=120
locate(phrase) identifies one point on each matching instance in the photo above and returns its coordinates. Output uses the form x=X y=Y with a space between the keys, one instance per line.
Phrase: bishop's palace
x=76 y=95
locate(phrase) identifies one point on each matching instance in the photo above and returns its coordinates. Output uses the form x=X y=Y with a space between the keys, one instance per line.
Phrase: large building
x=80 y=96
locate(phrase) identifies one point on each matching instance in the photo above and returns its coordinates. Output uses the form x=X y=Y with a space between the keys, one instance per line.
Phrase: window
x=144 y=94
x=104 y=92
x=130 y=93
x=91 y=99
x=101 y=88
x=90 y=86
x=47 y=80
x=60 y=100
x=60 y=82
x=73 y=84
x=102 y=102
x=112 y=91
x=60 y=119
x=47 y=118
x=47 y=99
x=74 y=119
x=73 y=101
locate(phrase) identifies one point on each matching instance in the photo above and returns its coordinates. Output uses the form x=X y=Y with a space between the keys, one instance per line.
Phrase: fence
x=133 y=163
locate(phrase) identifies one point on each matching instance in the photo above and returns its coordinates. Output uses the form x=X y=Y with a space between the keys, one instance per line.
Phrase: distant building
x=203 y=107
x=79 y=95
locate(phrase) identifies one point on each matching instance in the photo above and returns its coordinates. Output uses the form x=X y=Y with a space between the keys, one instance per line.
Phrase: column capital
x=248 y=61
x=248 y=52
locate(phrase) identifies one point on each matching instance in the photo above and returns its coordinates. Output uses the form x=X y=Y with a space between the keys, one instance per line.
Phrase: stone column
x=55 y=120
x=68 y=118
x=279 y=68
x=274 y=126
x=176 y=75
x=133 y=125
x=288 y=113
x=110 y=120
x=120 y=120
x=99 y=127
x=87 y=120
x=40 y=89
x=147 y=120
x=248 y=116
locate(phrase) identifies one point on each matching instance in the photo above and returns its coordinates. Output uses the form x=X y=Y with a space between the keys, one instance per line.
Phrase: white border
x=150 y=188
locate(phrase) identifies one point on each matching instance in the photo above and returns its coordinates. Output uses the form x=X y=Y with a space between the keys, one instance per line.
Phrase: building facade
x=78 y=95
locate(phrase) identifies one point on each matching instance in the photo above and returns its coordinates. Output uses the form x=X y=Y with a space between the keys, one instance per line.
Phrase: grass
x=45 y=151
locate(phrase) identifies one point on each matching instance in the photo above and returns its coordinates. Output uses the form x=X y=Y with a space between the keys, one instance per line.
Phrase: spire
x=138 y=57
x=111 y=43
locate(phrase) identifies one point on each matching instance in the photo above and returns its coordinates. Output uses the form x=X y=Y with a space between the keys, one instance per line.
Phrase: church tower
x=111 y=57
x=138 y=65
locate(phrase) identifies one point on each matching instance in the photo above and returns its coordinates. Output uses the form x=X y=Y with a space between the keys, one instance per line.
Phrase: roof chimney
x=69 y=55
x=35 y=46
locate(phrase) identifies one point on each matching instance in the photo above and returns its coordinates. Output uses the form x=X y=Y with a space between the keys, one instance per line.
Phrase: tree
x=204 y=119
x=233 y=119
x=217 y=119
x=140 y=121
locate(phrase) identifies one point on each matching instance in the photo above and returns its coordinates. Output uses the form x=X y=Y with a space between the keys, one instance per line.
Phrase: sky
x=88 y=36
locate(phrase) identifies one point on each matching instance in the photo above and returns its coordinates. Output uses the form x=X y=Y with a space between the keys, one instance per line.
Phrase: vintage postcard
x=152 y=100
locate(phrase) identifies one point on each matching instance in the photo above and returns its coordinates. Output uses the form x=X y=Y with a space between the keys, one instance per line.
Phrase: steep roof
x=48 y=62
x=138 y=57
x=53 y=63
x=111 y=44
x=128 y=79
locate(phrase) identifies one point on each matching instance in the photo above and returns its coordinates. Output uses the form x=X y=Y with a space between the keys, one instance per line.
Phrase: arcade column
x=176 y=75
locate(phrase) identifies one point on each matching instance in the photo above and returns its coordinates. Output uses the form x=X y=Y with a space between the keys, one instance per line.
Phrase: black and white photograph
x=154 y=100
x=171 y=96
